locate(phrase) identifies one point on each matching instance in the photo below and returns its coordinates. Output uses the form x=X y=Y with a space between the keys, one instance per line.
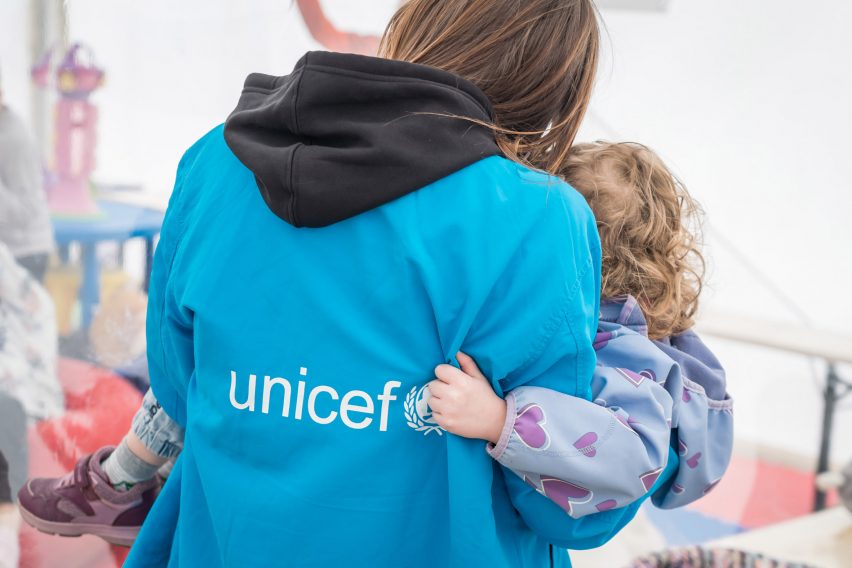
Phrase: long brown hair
x=535 y=60
x=650 y=230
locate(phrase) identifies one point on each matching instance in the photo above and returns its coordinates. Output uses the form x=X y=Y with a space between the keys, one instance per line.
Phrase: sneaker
x=84 y=502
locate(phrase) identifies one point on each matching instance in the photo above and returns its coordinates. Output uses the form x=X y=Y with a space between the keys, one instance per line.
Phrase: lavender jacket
x=594 y=456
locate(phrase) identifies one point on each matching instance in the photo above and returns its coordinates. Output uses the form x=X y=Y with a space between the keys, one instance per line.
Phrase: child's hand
x=464 y=403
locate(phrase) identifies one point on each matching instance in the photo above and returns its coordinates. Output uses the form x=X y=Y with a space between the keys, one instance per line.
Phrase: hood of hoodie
x=343 y=134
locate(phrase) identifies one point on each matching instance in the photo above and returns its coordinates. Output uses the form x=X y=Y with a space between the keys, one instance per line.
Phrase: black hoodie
x=343 y=134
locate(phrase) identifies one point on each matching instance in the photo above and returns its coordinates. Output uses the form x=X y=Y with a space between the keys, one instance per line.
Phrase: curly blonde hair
x=649 y=227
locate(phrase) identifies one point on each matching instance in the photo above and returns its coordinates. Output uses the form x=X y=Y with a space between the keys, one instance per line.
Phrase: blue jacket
x=296 y=357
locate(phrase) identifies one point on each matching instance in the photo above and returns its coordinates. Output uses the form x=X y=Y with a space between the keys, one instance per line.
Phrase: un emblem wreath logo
x=418 y=415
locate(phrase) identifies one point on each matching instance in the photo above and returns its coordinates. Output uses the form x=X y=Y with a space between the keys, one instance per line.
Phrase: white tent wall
x=748 y=101
x=15 y=55
x=175 y=69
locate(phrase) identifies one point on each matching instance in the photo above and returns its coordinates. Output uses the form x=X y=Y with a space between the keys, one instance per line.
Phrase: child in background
x=29 y=387
x=627 y=430
x=654 y=375
x=28 y=346
x=24 y=218
x=8 y=520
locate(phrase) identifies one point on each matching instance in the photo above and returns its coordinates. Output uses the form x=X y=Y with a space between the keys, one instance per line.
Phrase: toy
x=77 y=77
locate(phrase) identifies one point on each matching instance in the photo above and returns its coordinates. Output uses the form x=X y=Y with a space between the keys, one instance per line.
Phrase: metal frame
x=835 y=389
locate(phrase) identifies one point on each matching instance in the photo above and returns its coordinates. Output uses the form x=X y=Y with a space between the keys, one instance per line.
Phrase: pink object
x=77 y=77
x=324 y=32
x=99 y=409
x=41 y=70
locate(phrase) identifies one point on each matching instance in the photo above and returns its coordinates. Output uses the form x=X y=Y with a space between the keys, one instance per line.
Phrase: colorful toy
x=68 y=189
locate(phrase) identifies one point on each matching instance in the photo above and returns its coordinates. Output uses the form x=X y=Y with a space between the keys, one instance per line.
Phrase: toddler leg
x=154 y=439
x=110 y=492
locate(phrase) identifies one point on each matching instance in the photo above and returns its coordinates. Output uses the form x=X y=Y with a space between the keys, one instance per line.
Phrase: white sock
x=125 y=469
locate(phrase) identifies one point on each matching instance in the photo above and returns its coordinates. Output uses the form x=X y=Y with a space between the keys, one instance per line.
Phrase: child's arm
x=585 y=456
x=14 y=205
x=544 y=517
x=588 y=456
x=704 y=422
x=549 y=521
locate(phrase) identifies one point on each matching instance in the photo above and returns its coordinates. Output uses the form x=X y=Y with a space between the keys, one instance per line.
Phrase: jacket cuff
x=496 y=450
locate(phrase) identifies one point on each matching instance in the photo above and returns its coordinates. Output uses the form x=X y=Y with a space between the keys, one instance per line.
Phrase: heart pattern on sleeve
x=529 y=426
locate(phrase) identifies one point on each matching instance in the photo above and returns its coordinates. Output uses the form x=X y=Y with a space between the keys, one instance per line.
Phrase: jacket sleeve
x=584 y=456
x=703 y=422
x=549 y=521
x=593 y=456
x=14 y=205
x=538 y=330
x=555 y=443
x=169 y=326
x=543 y=504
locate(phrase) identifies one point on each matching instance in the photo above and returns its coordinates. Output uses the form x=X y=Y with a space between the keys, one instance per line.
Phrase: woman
x=297 y=358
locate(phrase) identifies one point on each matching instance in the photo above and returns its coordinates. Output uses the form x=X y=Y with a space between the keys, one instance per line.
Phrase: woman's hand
x=464 y=403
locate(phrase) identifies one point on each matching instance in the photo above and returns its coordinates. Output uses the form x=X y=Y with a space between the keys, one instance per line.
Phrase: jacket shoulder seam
x=558 y=318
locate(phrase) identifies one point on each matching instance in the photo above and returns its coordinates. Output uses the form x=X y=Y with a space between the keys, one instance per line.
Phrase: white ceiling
x=639 y=5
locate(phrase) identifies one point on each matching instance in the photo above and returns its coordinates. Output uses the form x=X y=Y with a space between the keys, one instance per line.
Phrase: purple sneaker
x=84 y=502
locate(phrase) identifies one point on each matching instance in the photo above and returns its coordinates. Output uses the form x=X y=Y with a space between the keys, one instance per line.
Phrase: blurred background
x=747 y=101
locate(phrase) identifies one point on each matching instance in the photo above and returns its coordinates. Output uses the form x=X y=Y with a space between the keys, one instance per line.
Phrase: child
x=653 y=376
x=29 y=388
x=643 y=445
x=8 y=520
x=24 y=218
x=27 y=342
